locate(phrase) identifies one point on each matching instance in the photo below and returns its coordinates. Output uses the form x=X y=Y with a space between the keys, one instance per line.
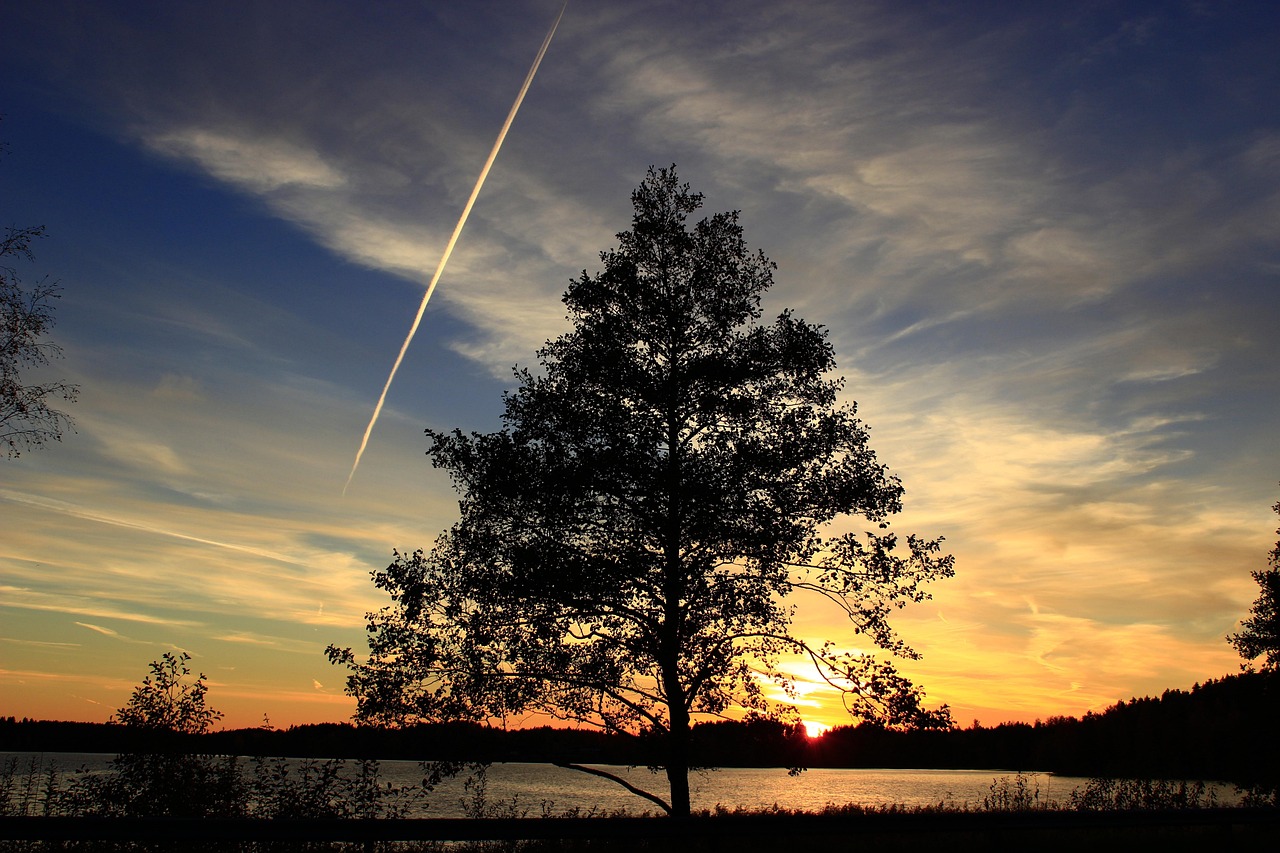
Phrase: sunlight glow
x=815 y=729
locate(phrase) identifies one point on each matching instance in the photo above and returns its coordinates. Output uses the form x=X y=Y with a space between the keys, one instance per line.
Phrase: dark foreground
x=1199 y=830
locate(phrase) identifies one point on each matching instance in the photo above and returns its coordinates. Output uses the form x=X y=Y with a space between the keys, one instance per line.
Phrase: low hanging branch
x=603 y=774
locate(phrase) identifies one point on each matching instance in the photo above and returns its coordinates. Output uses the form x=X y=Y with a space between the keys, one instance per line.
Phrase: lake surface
x=529 y=785
x=527 y=788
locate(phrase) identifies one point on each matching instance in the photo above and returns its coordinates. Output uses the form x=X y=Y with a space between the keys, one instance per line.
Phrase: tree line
x=1222 y=729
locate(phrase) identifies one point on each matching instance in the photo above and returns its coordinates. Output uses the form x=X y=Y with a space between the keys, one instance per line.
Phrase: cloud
x=179 y=389
x=113 y=634
x=135 y=450
x=283 y=644
x=91 y=515
x=254 y=164
x=23 y=598
x=25 y=677
x=39 y=643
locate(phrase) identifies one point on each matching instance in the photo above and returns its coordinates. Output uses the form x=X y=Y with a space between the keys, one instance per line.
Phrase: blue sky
x=1043 y=238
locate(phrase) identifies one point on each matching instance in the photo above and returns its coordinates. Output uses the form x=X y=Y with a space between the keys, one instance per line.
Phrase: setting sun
x=813 y=729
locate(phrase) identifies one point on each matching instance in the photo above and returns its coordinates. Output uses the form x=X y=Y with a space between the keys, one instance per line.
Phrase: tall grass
x=30 y=788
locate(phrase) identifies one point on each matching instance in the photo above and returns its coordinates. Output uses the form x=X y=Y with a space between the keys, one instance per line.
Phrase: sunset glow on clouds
x=1044 y=242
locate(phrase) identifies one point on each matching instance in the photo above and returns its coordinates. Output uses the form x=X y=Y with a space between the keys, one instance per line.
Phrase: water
x=529 y=789
x=528 y=785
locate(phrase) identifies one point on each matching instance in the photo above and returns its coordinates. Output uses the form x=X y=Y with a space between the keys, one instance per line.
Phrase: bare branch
x=639 y=792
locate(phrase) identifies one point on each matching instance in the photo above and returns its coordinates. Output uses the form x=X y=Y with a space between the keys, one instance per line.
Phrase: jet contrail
x=448 y=249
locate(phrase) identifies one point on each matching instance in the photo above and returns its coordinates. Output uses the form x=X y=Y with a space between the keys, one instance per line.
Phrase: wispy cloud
x=18 y=641
x=257 y=165
x=112 y=633
x=101 y=518
x=69 y=603
x=283 y=644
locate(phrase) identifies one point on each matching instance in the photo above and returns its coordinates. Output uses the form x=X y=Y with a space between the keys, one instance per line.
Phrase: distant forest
x=1224 y=729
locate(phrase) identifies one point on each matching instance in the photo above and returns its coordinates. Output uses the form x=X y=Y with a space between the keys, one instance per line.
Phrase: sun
x=813 y=729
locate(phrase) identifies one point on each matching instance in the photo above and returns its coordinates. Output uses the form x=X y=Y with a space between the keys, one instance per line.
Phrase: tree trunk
x=678 y=763
x=673 y=617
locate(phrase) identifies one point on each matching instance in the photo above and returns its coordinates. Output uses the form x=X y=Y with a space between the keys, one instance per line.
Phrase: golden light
x=815 y=729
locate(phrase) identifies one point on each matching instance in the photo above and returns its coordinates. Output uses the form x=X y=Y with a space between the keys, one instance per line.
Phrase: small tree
x=27 y=420
x=163 y=778
x=164 y=775
x=1260 y=634
x=169 y=701
x=629 y=542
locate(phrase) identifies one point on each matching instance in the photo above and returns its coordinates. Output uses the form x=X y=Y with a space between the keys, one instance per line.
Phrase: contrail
x=448 y=249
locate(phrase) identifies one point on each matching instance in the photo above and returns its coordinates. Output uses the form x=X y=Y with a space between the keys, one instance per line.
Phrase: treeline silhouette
x=1223 y=729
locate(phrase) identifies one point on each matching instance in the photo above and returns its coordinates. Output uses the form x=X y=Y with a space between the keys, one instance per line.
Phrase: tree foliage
x=169 y=700
x=1260 y=633
x=165 y=780
x=27 y=418
x=162 y=771
x=630 y=542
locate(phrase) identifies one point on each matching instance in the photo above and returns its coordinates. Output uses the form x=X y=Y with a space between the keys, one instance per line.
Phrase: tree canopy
x=1260 y=633
x=169 y=700
x=630 y=543
x=162 y=779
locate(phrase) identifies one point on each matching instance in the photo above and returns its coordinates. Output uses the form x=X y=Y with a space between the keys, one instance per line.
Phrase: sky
x=1043 y=238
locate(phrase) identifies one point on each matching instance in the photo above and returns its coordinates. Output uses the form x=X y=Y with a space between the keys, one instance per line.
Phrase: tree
x=162 y=774
x=1260 y=634
x=169 y=700
x=628 y=543
x=27 y=420
x=164 y=778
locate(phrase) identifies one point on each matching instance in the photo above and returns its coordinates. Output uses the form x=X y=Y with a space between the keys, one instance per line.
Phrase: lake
x=754 y=788
x=527 y=787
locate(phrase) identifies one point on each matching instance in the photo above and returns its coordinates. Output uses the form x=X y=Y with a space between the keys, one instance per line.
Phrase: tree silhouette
x=630 y=541
x=1260 y=633
x=27 y=420
x=164 y=779
x=169 y=700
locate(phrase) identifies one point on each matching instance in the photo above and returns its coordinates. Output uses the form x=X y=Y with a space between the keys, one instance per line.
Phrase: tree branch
x=639 y=792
